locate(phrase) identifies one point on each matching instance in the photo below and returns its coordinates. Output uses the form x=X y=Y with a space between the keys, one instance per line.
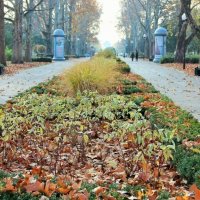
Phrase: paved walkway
x=11 y=85
x=183 y=89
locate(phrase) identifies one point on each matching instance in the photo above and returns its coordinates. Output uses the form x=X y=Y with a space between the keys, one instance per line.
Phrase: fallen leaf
x=196 y=191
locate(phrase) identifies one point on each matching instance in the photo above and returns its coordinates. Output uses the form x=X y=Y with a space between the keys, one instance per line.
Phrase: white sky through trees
x=108 y=34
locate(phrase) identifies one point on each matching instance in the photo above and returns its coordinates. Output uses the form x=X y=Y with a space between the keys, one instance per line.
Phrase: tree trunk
x=183 y=41
x=57 y=14
x=2 y=35
x=28 y=49
x=17 y=36
x=49 y=29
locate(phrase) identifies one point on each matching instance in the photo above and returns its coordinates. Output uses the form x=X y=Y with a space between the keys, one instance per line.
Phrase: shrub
x=66 y=57
x=39 y=49
x=167 y=59
x=49 y=55
x=132 y=89
x=8 y=54
x=163 y=195
x=187 y=163
x=119 y=60
x=107 y=53
x=189 y=59
x=192 y=59
x=197 y=179
x=1 y=68
x=42 y=59
x=97 y=74
x=138 y=100
x=125 y=69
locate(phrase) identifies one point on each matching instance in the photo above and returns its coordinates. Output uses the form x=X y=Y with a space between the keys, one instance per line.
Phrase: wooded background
x=141 y=18
x=29 y=25
x=26 y=26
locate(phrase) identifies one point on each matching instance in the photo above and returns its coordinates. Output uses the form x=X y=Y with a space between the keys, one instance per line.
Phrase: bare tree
x=18 y=31
x=28 y=31
x=184 y=37
x=2 y=38
x=31 y=6
x=141 y=17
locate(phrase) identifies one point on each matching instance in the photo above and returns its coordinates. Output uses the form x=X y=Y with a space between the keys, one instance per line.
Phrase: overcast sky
x=108 y=32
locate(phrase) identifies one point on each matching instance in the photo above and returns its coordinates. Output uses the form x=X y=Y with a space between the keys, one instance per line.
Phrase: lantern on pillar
x=160 y=43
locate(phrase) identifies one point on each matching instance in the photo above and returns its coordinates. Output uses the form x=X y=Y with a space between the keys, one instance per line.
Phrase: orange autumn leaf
x=9 y=185
x=131 y=137
x=140 y=195
x=156 y=172
x=108 y=197
x=76 y=186
x=81 y=196
x=120 y=89
x=145 y=176
x=35 y=193
x=49 y=188
x=63 y=190
x=182 y=198
x=34 y=187
x=145 y=167
x=99 y=190
x=61 y=183
x=36 y=171
x=196 y=191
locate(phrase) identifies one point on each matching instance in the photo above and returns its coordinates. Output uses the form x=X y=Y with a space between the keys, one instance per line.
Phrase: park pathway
x=11 y=85
x=183 y=89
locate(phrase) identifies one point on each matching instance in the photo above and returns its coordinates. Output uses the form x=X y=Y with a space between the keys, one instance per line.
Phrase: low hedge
x=125 y=69
x=167 y=59
x=192 y=59
x=189 y=59
x=1 y=68
x=45 y=59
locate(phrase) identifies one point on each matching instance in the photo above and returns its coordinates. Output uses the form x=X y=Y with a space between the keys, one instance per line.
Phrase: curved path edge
x=11 y=85
x=184 y=90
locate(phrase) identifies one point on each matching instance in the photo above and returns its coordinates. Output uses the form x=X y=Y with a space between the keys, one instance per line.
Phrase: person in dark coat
x=136 y=55
x=132 y=56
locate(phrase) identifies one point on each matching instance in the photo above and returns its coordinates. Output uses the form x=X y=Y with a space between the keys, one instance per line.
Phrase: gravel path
x=11 y=85
x=183 y=89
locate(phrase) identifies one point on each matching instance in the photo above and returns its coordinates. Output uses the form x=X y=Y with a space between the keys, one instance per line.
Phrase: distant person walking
x=132 y=56
x=136 y=55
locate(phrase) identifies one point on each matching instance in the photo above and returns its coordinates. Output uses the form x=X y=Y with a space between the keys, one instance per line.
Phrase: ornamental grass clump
x=98 y=74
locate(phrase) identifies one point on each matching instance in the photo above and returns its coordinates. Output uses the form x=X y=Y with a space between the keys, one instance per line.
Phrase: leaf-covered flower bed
x=162 y=113
x=93 y=146
x=91 y=138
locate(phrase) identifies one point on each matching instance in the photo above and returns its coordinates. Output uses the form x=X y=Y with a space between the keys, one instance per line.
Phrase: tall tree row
x=79 y=19
x=140 y=18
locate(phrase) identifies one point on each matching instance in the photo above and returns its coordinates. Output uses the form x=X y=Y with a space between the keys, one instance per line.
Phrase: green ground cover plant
x=94 y=145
